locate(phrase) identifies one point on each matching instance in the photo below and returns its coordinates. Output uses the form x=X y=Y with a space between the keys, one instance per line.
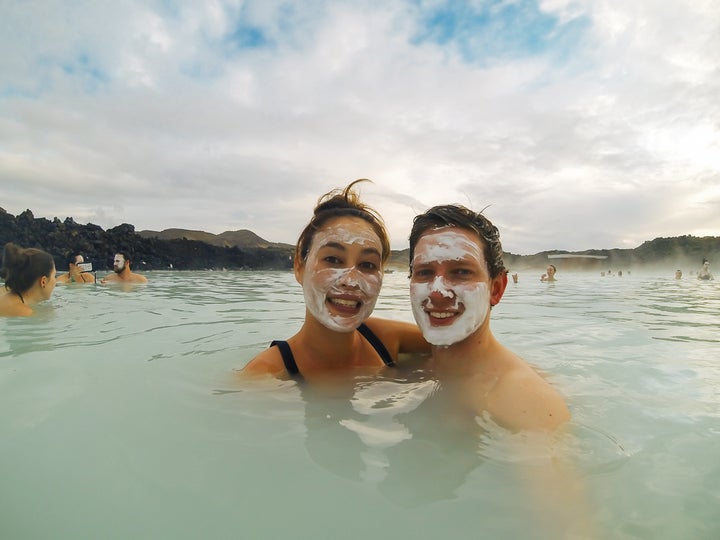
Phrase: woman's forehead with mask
x=347 y=232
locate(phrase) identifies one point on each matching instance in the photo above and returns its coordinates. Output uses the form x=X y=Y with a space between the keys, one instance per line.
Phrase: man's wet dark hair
x=456 y=215
x=125 y=255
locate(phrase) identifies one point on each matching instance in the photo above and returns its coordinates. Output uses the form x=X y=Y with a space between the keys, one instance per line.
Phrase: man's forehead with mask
x=447 y=244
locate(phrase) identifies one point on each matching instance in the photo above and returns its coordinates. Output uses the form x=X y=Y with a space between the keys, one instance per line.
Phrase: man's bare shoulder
x=137 y=278
x=268 y=363
x=522 y=399
x=132 y=278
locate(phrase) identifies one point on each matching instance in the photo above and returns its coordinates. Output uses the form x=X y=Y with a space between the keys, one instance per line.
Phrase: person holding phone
x=78 y=271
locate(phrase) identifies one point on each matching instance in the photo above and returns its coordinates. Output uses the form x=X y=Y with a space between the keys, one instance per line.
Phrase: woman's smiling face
x=342 y=275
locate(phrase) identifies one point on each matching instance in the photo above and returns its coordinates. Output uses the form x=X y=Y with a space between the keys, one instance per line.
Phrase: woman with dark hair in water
x=29 y=276
x=704 y=272
x=339 y=260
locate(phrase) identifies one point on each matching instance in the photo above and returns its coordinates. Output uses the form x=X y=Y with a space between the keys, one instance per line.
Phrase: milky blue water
x=121 y=417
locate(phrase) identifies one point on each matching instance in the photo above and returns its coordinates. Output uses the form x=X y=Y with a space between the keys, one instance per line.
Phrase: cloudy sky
x=579 y=124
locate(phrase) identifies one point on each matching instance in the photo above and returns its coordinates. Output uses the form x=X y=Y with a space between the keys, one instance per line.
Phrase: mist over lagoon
x=183 y=249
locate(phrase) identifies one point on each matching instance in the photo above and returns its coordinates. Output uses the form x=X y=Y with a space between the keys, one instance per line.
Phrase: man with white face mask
x=456 y=275
x=122 y=272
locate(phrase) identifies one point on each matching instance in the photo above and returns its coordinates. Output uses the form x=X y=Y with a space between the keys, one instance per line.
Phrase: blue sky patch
x=248 y=37
x=497 y=30
x=82 y=67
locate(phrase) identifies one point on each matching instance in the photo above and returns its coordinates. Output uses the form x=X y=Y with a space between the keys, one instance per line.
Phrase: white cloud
x=606 y=135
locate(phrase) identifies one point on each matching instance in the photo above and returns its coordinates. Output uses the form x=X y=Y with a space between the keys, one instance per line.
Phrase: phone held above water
x=85 y=267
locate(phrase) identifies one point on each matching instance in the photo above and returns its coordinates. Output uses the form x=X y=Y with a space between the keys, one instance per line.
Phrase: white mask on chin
x=326 y=283
x=474 y=298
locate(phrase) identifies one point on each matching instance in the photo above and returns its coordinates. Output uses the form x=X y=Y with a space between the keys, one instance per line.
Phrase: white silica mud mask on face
x=446 y=244
x=475 y=299
x=470 y=300
x=348 y=286
x=118 y=263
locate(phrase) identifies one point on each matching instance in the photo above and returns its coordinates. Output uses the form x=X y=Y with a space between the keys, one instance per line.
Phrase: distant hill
x=241 y=238
x=399 y=260
x=683 y=252
x=185 y=249
x=676 y=252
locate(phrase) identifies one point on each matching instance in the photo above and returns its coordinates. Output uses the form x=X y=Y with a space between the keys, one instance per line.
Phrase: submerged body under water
x=121 y=416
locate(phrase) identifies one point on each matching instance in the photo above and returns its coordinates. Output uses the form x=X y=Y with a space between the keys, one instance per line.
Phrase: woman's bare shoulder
x=268 y=362
x=9 y=307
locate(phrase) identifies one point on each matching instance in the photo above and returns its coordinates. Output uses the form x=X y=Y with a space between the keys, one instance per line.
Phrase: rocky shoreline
x=177 y=250
x=60 y=238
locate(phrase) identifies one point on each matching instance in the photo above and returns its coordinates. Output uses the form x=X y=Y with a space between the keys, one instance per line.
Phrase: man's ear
x=299 y=269
x=497 y=288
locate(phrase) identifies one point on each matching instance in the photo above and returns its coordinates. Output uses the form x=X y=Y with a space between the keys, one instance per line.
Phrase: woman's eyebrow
x=338 y=245
x=371 y=251
x=333 y=245
x=366 y=252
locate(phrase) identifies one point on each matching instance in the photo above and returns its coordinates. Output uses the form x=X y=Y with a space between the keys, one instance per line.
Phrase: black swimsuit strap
x=292 y=368
x=288 y=358
x=376 y=344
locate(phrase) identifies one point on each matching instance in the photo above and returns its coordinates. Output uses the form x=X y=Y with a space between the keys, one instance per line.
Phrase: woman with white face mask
x=339 y=261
